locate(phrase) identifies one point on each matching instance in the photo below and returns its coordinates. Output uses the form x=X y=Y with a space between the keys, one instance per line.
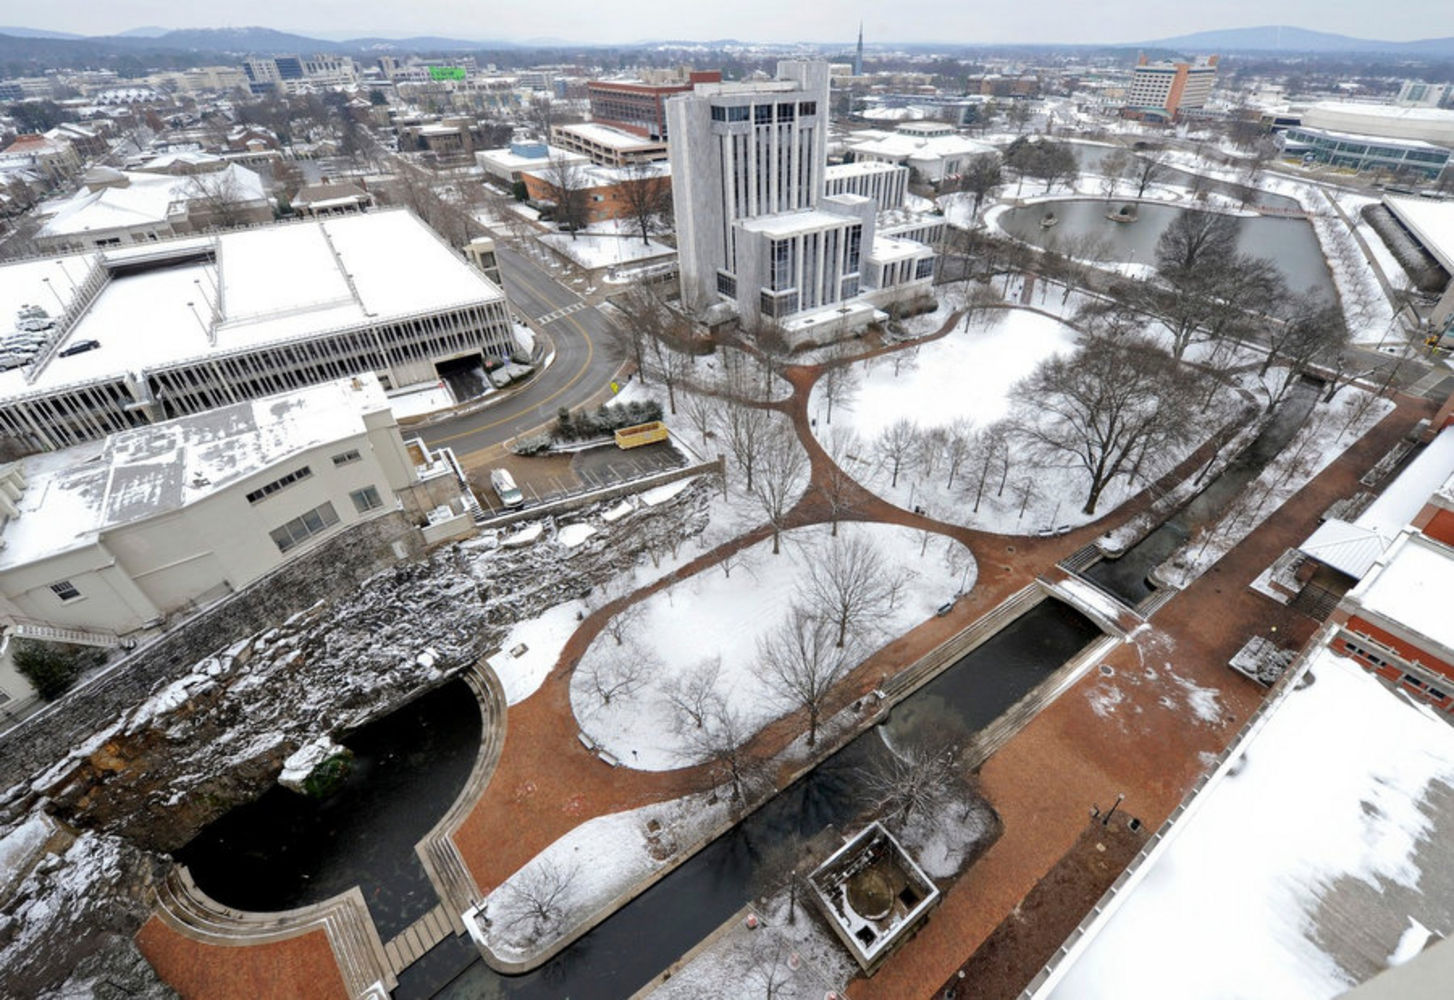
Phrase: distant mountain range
x=29 y=43
x=1282 y=38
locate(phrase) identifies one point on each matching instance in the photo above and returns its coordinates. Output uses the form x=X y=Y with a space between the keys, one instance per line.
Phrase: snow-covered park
x=716 y=615
x=960 y=384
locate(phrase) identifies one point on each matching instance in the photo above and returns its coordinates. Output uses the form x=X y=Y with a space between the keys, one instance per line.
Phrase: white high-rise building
x=755 y=227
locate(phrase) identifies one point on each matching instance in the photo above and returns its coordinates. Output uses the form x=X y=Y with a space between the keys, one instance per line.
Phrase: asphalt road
x=586 y=359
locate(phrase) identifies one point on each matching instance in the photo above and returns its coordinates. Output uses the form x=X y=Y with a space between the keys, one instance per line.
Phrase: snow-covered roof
x=147 y=199
x=189 y=157
x=1407 y=586
x=1431 y=221
x=1403 y=498
x=278 y=283
x=1295 y=871
x=1346 y=547
x=859 y=168
x=791 y=223
x=902 y=146
x=612 y=138
x=75 y=494
x=1354 y=547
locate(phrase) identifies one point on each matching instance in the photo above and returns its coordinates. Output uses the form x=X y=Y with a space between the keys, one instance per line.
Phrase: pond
x=1090 y=156
x=286 y=850
x=1291 y=244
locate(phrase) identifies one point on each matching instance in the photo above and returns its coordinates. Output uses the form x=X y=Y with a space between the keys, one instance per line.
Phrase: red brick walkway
x=298 y=968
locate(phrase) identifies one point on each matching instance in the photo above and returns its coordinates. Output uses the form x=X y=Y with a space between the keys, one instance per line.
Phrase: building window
x=719 y=113
x=786 y=112
x=268 y=489
x=855 y=249
x=366 y=499
x=762 y=114
x=924 y=268
x=738 y=114
x=726 y=284
x=300 y=529
x=346 y=457
x=807 y=107
x=65 y=590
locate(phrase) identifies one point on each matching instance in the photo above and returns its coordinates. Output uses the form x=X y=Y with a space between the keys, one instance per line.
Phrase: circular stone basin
x=870 y=895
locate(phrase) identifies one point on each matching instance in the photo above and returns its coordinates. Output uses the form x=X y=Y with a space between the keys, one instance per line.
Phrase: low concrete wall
x=718 y=468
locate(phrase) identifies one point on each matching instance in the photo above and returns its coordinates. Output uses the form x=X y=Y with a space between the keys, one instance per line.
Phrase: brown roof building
x=637 y=106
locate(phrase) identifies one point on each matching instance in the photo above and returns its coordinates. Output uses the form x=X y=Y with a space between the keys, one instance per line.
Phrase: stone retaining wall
x=337 y=565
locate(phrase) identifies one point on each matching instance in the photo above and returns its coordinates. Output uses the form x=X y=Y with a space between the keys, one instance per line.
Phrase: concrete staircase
x=416 y=939
x=361 y=958
x=42 y=632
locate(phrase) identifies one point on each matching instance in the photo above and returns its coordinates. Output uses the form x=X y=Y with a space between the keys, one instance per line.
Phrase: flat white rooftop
x=74 y=494
x=1408 y=585
x=808 y=220
x=1296 y=869
x=1431 y=221
x=277 y=283
x=612 y=138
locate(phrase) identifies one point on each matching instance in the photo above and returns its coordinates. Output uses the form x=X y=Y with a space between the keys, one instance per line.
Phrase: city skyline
x=753 y=21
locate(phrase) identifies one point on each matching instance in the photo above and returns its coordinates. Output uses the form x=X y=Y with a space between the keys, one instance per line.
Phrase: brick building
x=638 y=106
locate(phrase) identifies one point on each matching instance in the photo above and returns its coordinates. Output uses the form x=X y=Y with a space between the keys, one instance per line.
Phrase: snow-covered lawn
x=970 y=376
x=1303 y=818
x=712 y=614
x=542 y=640
x=603 y=244
x=602 y=858
x=961 y=375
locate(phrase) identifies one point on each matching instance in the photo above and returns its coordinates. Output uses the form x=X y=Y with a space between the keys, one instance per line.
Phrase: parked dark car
x=80 y=347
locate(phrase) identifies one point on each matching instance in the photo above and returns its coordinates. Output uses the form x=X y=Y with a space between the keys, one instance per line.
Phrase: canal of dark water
x=286 y=850
x=1126 y=575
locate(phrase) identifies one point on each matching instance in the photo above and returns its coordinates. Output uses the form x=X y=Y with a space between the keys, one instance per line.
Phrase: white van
x=505 y=488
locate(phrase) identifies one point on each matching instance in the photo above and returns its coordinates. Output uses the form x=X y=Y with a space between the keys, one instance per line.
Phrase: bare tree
x=851 y=587
x=989 y=455
x=646 y=193
x=566 y=180
x=645 y=320
x=747 y=431
x=802 y=664
x=623 y=624
x=538 y=897
x=694 y=695
x=703 y=413
x=1211 y=285
x=619 y=671
x=980 y=178
x=840 y=380
x=781 y=477
x=541 y=114
x=1105 y=407
x=217 y=200
x=783 y=868
x=1146 y=168
x=919 y=777
x=957 y=447
x=839 y=490
x=721 y=745
x=1113 y=168
x=894 y=446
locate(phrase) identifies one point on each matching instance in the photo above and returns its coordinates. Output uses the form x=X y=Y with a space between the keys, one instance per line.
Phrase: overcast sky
x=611 y=21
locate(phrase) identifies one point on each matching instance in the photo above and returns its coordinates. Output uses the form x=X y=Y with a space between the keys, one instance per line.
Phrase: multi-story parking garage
x=145 y=333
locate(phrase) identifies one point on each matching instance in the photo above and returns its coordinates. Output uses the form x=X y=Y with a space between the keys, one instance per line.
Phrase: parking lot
x=547 y=477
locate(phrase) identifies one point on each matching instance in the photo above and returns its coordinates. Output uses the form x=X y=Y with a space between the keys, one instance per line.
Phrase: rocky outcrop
x=218 y=735
x=66 y=926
